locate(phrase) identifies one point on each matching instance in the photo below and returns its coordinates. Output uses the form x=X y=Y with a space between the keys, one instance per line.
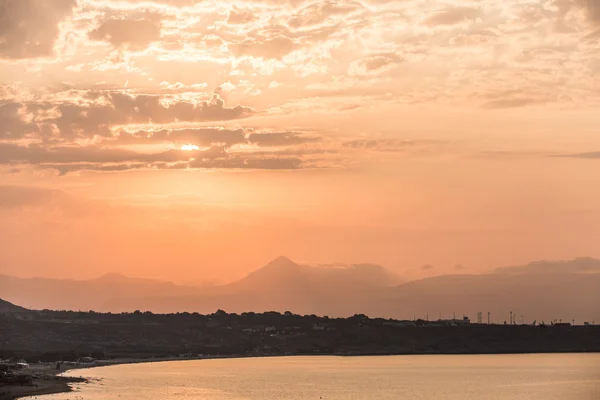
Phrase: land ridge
x=89 y=339
x=50 y=336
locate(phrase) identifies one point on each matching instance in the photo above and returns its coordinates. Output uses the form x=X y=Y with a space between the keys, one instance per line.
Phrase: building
x=21 y=365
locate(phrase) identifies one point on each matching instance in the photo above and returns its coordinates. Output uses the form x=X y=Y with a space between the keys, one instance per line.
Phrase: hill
x=6 y=307
x=66 y=336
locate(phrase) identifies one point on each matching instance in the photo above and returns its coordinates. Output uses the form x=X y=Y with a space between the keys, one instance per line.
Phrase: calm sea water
x=515 y=377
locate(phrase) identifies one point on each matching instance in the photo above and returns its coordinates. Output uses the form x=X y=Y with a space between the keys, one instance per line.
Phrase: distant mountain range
x=543 y=290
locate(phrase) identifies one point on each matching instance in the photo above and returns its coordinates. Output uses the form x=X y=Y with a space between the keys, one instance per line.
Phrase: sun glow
x=189 y=147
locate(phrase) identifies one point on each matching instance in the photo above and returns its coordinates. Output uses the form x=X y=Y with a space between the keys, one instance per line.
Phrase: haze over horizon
x=194 y=141
x=559 y=290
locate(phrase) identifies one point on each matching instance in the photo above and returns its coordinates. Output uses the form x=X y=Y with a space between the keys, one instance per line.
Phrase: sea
x=422 y=377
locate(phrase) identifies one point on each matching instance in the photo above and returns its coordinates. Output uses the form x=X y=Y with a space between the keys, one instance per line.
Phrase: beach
x=40 y=384
x=43 y=379
x=416 y=377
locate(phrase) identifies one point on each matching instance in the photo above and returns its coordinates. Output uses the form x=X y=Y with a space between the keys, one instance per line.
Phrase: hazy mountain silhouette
x=542 y=290
x=283 y=272
x=282 y=285
x=66 y=294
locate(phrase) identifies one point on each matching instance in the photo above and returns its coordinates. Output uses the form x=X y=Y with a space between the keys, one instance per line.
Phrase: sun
x=189 y=147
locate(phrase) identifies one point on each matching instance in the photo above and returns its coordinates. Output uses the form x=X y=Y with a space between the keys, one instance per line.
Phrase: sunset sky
x=197 y=140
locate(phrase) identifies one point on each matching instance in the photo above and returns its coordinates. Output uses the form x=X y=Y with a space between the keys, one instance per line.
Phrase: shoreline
x=47 y=380
x=41 y=385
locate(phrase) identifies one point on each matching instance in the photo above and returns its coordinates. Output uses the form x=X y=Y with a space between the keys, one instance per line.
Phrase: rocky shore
x=36 y=384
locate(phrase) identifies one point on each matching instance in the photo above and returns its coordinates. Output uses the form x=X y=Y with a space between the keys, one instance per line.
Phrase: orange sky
x=402 y=133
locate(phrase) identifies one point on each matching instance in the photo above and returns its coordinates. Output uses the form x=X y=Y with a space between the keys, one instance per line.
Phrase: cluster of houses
x=8 y=370
x=8 y=365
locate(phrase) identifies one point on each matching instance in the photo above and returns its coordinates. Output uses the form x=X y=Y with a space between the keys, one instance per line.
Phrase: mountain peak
x=281 y=262
x=280 y=269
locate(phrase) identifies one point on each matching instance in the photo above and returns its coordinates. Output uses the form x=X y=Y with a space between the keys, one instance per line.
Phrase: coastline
x=41 y=384
x=46 y=380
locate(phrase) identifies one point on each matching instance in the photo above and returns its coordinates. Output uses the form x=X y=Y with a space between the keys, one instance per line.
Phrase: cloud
x=95 y=158
x=380 y=144
x=38 y=154
x=29 y=28
x=592 y=8
x=106 y=109
x=451 y=16
x=240 y=17
x=271 y=163
x=578 y=265
x=319 y=12
x=374 y=65
x=591 y=155
x=12 y=121
x=269 y=48
x=274 y=163
x=427 y=267
x=227 y=87
x=510 y=103
x=135 y=34
x=202 y=137
x=281 y=139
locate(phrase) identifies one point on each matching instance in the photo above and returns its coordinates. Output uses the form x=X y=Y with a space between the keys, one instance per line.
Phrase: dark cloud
x=135 y=34
x=12 y=124
x=29 y=28
x=204 y=137
x=379 y=144
x=452 y=16
x=592 y=155
x=77 y=158
x=38 y=154
x=592 y=8
x=240 y=17
x=64 y=169
x=273 y=163
x=117 y=108
x=269 y=48
x=578 y=265
x=427 y=267
x=510 y=103
x=224 y=163
x=197 y=136
x=281 y=139
x=375 y=64
x=319 y=12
